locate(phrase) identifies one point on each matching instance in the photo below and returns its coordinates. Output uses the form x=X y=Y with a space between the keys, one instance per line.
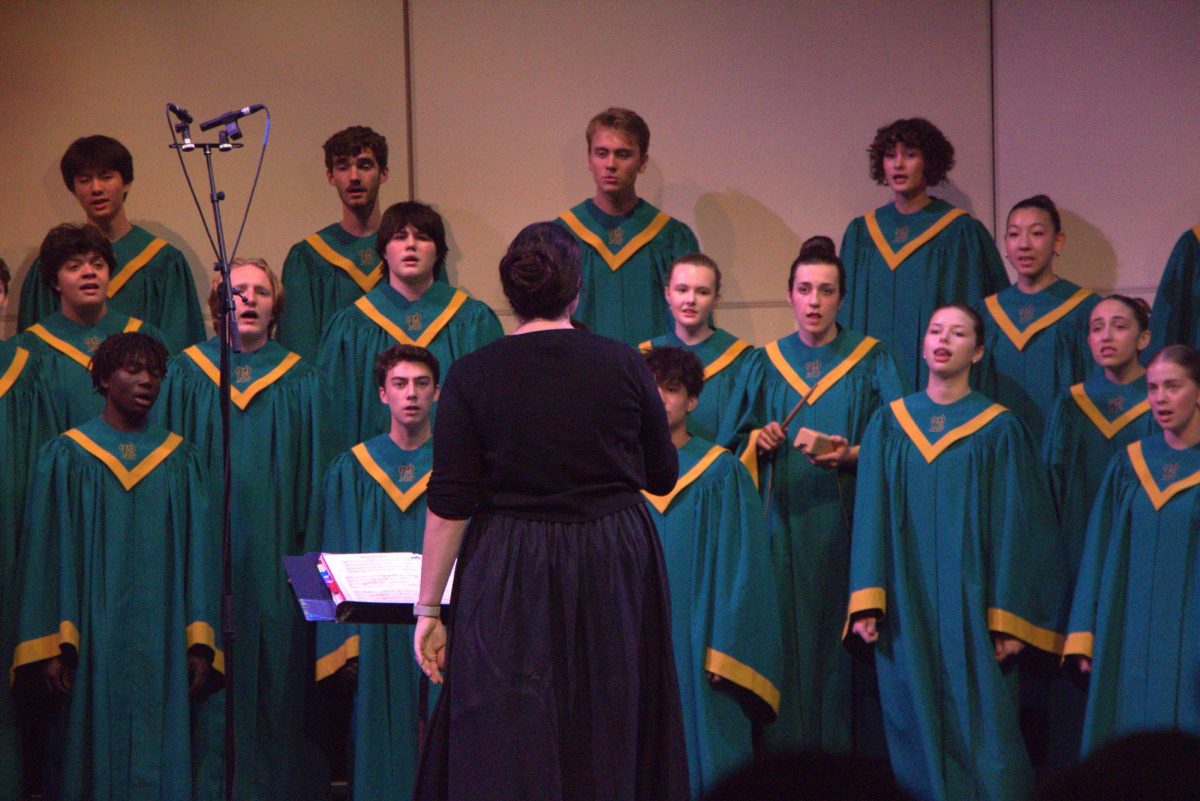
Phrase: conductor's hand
x=429 y=646
x=1084 y=664
x=59 y=676
x=1006 y=646
x=867 y=628
x=770 y=437
x=843 y=454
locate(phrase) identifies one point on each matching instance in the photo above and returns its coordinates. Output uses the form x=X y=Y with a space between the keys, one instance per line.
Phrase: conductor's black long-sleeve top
x=557 y=425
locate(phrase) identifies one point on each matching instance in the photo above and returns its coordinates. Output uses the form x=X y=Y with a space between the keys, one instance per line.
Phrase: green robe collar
x=251 y=373
x=1110 y=407
x=130 y=455
x=715 y=353
x=77 y=341
x=403 y=475
x=1163 y=471
x=813 y=371
x=133 y=251
x=616 y=239
x=934 y=427
x=412 y=322
x=1020 y=316
x=695 y=457
x=897 y=236
x=354 y=255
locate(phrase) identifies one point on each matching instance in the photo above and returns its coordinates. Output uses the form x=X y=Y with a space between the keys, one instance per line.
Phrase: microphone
x=231 y=116
x=183 y=127
x=180 y=113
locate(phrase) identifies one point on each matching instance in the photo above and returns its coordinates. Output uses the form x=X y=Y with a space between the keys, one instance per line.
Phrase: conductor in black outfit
x=559 y=677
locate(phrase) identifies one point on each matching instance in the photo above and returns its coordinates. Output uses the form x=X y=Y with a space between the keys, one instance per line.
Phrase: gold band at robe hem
x=635 y=243
x=1106 y=427
x=201 y=633
x=242 y=397
x=366 y=281
x=333 y=661
x=40 y=648
x=133 y=265
x=894 y=258
x=743 y=675
x=661 y=502
x=401 y=498
x=1014 y=625
x=1020 y=339
x=431 y=331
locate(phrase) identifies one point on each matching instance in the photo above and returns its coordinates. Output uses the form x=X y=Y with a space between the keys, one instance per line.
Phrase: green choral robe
x=375 y=501
x=64 y=349
x=323 y=274
x=900 y=267
x=26 y=421
x=445 y=320
x=152 y=282
x=1137 y=598
x=626 y=262
x=1176 y=317
x=722 y=355
x=808 y=522
x=1034 y=348
x=954 y=539
x=280 y=449
x=119 y=566
x=1088 y=425
x=724 y=614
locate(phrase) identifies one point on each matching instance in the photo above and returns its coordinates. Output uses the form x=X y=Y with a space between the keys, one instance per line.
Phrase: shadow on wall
x=1088 y=257
x=948 y=191
x=725 y=221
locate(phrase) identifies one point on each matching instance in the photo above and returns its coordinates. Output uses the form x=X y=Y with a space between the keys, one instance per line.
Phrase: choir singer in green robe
x=626 y=246
x=1089 y=424
x=280 y=448
x=1035 y=332
x=410 y=307
x=1176 y=319
x=833 y=379
x=955 y=567
x=724 y=614
x=119 y=582
x=149 y=279
x=918 y=252
x=693 y=293
x=75 y=263
x=375 y=501
x=26 y=421
x=1133 y=620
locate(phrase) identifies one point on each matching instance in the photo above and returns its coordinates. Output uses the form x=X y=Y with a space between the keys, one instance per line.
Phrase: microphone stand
x=227 y=332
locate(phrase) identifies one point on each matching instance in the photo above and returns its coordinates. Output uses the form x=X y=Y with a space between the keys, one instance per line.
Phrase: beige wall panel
x=69 y=69
x=1096 y=106
x=760 y=116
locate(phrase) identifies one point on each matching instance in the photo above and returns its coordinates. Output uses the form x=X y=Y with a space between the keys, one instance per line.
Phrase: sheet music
x=393 y=577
